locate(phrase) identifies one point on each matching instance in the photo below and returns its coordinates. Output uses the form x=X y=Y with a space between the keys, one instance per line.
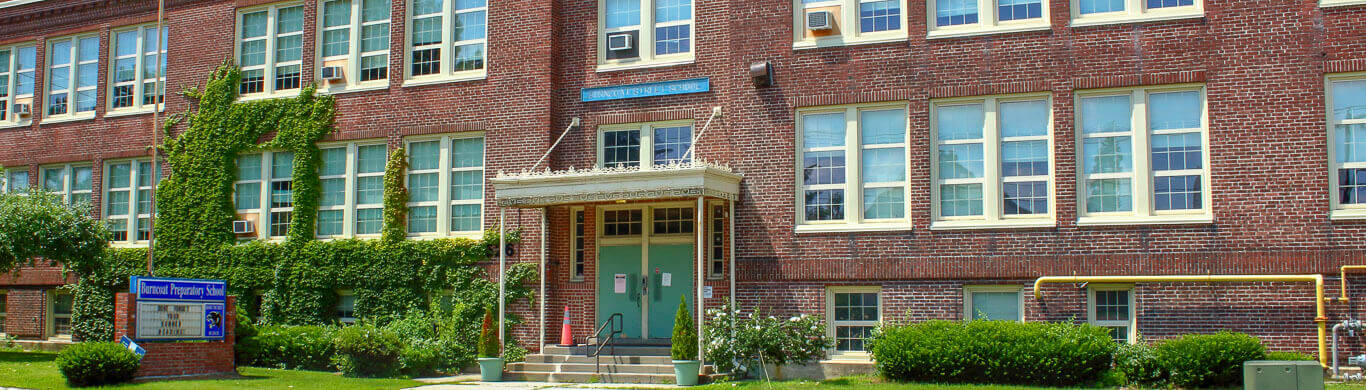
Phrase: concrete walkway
x=471 y=382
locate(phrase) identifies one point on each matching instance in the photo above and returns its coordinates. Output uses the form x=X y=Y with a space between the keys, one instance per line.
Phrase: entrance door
x=621 y=261
x=670 y=263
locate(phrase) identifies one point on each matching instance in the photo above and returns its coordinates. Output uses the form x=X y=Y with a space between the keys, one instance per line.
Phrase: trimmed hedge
x=288 y=347
x=365 y=350
x=1212 y=360
x=1034 y=353
x=97 y=363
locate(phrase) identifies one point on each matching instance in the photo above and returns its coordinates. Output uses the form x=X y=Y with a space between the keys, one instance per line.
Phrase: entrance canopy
x=535 y=189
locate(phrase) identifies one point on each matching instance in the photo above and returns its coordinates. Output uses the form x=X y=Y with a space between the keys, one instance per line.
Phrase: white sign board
x=668 y=279
x=706 y=292
x=619 y=286
x=170 y=320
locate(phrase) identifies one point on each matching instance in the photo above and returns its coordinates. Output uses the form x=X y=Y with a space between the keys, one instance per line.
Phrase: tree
x=40 y=226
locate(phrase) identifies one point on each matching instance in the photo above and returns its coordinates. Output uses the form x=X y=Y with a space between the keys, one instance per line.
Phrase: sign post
x=179 y=309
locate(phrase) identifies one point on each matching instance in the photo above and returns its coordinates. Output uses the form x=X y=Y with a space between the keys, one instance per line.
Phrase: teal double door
x=643 y=283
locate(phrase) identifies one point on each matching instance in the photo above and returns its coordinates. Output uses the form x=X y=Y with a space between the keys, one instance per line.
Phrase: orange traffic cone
x=566 y=336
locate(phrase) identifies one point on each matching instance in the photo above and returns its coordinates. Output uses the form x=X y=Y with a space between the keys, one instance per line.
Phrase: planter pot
x=685 y=372
x=491 y=369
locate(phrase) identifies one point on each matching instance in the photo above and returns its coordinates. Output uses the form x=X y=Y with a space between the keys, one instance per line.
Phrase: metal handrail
x=613 y=325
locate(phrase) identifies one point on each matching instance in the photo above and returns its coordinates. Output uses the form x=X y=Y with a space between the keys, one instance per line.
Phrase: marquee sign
x=179 y=309
x=662 y=88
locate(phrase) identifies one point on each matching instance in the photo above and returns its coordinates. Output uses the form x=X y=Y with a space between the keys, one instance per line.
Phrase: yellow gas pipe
x=1321 y=316
x=1343 y=279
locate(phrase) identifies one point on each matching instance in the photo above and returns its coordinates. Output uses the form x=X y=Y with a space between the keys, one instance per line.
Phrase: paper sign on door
x=620 y=283
x=668 y=279
x=706 y=292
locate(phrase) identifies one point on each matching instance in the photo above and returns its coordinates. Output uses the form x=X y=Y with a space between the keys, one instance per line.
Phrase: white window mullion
x=447 y=27
x=349 y=210
x=992 y=198
x=443 y=180
x=1142 y=155
x=853 y=167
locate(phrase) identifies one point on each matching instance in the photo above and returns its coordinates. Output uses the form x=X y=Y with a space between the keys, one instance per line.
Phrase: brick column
x=178 y=358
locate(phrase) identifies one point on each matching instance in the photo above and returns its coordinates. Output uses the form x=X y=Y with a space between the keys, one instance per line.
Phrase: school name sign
x=179 y=309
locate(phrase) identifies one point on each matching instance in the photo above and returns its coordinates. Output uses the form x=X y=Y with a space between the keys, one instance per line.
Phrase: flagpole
x=157 y=104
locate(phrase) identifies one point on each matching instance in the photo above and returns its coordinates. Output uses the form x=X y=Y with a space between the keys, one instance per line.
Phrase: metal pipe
x=1343 y=279
x=701 y=278
x=545 y=211
x=572 y=124
x=1321 y=317
x=730 y=241
x=1335 y=349
x=502 y=275
x=690 y=153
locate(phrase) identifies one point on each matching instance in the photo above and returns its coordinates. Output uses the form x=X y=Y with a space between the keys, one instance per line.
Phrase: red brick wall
x=26 y=316
x=178 y=358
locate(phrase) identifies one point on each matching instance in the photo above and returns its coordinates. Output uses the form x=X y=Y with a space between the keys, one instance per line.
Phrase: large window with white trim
x=578 y=242
x=1112 y=307
x=354 y=35
x=270 y=44
x=1144 y=155
x=446 y=185
x=137 y=71
x=645 y=31
x=993 y=303
x=128 y=200
x=60 y=302
x=644 y=145
x=1091 y=12
x=446 y=39
x=72 y=76
x=992 y=161
x=352 y=177
x=841 y=22
x=1347 y=149
x=71 y=182
x=851 y=165
x=264 y=192
x=15 y=181
x=949 y=18
x=852 y=313
x=17 y=66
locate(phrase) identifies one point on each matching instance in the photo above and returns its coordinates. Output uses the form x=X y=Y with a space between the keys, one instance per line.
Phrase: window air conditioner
x=242 y=227
x=22 y=110
x=819 y=20
x=332 y=73
x=621 y=41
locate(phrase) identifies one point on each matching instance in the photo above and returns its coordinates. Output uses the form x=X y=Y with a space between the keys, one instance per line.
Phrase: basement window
x=346 y=307
x=852 y=313
x=993 y=303
x=59 y=307
x=1112 y=307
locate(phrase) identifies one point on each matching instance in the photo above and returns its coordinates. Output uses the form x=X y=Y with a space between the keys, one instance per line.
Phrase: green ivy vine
x=395 y=197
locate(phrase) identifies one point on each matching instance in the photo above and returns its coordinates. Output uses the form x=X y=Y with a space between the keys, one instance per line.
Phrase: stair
x=635 y=364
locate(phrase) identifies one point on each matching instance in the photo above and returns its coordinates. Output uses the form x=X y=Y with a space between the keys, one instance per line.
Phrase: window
x=16 y=181
x=993 y=303
x=645 y=31
x=666 y=143
x=852 y=166
x=950 y=18
x=73 y=70
x=716 y=270
x=853 y=313
x=1092 y=12
x=1340 y=3
x=446 y=194
x=4 y=310
x=1347 y=154
x=851 y=21
x=71 y=182
x=355 y=37
x=992 y=161
x=60 y=309
x=352 y=178
x=346 y=307
x=446 y=38
x=1113 y=308
x=621 y=223
x=137 y=76
x=128 y=200
x=264 y=192
x=270 y=48
x=1143 y=156
x=672 y=220
x=577 y=265
x=17 y=64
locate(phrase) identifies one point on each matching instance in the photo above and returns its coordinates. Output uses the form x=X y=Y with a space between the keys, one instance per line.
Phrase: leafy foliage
x=738 y=341
x=1035 y=353
x=1210 y=360
x=288 y=347
x=395 y=197
x=685 y=334
x=1289 y=356
x=39 y=225
x=488 y=337
x=1138 y=364
x=365 y=350
x=97 y=363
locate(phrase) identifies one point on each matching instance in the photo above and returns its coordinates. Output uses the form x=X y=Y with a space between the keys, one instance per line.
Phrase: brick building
x=893 y=159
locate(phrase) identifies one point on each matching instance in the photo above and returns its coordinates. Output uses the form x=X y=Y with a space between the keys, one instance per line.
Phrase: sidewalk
x=470 y=382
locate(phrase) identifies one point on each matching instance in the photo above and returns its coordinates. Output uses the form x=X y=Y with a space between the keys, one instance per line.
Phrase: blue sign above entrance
x=172 y=289
x=661 y=88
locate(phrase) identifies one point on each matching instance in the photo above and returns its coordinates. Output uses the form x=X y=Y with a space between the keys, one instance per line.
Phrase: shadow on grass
x=27 y=357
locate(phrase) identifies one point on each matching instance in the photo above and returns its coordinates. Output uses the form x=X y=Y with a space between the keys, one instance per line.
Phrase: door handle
x=645 y=287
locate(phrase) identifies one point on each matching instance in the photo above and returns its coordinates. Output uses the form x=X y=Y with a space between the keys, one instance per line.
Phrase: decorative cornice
x=691 y=192
x=612 y=171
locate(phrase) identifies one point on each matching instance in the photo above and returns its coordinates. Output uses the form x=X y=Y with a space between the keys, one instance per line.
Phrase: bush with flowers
x=741 y=342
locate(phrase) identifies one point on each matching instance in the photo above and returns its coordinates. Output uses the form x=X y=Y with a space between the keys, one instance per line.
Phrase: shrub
x=1290 y=355
x=736 y=341
x=97 y=363
x=685 y=336
x=1137 y=363
x=365 y=350
x=993 y=352
x=1211 y=360
x=288 y=347
x=488 y=340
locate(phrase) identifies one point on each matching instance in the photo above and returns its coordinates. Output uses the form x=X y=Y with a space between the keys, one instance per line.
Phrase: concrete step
x=578 y=377
x=605 y=359
x=594 y=368
x=633 y=350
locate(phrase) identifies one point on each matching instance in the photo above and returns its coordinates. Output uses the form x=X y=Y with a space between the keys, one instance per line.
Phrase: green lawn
x=38 y=371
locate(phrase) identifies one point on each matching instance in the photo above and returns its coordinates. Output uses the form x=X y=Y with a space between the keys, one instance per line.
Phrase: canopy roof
x=532 y=189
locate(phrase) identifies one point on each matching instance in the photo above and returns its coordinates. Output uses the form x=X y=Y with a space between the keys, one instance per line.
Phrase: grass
x=37 y=370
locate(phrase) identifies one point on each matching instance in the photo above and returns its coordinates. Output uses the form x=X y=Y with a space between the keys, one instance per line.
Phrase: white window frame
x=271 y=65
x=445 y=167
x=1337 y=210
x=68 y=172
x=575 y=247
x=52 y=315
x=135 y=212
x=832 y=324
x=969 y=305
x=712 y=233
x=9 y=183
x=351 y=178
x=853 y=177
x=646 y=37
x=4 y=310
x=72 y=88
x=1136 y=11
x=1340 y=3
x=647 y=139
x=264 y=210
x=140 y=63
x=1141 y=178
x=352 y=59
x=847 y=22
x=340 y=295
x=446 y=73
x=992 y=180
x=1131 y=324
x=988 y=22
x=10 y=85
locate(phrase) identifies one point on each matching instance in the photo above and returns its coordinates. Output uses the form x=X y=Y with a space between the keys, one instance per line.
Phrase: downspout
x=701 y=279
x=1321 y=318
x=502 y=275
x=544 y=236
